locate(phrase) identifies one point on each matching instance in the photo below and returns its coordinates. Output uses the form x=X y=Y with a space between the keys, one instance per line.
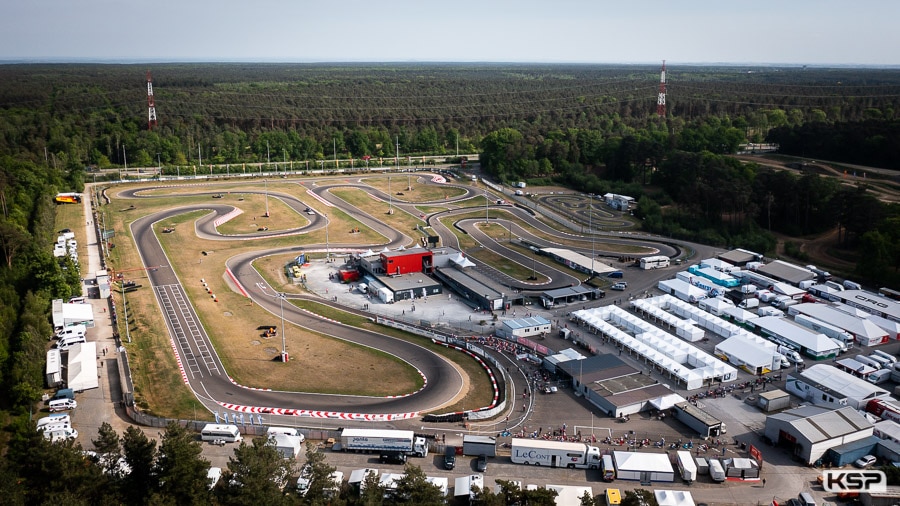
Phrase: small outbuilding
x=704 y=423
x=643 y=466
x=774 y=400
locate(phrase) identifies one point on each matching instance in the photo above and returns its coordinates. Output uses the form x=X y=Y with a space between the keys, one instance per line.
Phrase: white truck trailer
x=686 y=466
x=377 y=440
x=540 y=452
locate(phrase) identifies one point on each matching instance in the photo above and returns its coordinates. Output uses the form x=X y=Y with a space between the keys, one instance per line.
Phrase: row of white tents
x=689 y=364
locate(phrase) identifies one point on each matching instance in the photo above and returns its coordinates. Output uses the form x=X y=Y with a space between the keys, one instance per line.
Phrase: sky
x=822 y=32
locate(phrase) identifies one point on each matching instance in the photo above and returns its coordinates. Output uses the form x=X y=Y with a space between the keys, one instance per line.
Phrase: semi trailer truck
x=540 y=452
x=381 y=440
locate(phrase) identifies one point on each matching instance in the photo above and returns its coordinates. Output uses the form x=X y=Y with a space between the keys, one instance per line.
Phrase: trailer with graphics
x=378 y=440
x=539 y=452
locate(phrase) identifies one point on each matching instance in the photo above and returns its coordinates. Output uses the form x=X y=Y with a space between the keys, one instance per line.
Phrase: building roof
x=797 y=334
x=840 y=319
x=786 y=271
x=568 y=291
x=698 y=413
x=871 y=302
x=415 y=281
x=597 y=368
x=888 y=429
x=749 y=352
x=821 y=424
x=643 y=461
x=770 y=395
x=839 y=383
x=579 y=260
x=526 y=323
x=471 y=284
x=739 y=256
x=417 y=251
x=640 y=394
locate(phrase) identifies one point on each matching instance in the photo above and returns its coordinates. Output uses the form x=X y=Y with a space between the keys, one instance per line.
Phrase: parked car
x=390 y=457
x=619 y=286
x=481 y=463
x=865 y=461
x=450 y=457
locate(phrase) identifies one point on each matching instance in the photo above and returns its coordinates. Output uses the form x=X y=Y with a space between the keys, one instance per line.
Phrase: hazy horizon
x=821 y=33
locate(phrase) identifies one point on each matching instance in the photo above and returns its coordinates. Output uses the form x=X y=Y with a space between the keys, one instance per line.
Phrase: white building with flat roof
x=864 y=332
x=824 y=385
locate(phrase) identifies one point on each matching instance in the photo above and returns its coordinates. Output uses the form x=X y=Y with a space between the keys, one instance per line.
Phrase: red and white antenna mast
x=661 y=99
x=151 y=106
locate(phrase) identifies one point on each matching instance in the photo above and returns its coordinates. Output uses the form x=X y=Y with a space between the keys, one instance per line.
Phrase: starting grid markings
x=189 y=336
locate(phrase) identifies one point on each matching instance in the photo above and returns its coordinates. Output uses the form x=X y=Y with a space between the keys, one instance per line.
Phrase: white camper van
x=791 y=354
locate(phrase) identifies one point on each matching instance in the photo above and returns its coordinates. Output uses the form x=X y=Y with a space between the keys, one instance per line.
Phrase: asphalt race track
x=204 y=372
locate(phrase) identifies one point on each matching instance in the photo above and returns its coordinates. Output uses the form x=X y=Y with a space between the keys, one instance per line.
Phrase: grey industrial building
x=570 y=295
x=809 y=432
x=612 y=385
x=786 y=272
x=694 y=417
x=740 y=257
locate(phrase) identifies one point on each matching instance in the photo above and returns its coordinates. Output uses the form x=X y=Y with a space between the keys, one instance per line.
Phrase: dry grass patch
x=413 y=188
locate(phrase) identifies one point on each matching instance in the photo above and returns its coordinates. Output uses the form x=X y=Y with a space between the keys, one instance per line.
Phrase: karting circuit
x=511 y=231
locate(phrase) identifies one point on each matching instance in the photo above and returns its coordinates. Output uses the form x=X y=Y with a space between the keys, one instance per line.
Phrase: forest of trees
x=590 y=127
x=131 y=469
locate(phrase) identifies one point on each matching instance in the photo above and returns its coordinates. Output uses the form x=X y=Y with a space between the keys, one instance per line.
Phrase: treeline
x=875 y=142
x=689 y=188
x=96 y=115
x=132 y=469
x=30 y=277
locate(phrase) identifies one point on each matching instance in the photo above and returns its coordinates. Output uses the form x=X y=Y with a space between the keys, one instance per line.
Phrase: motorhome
x=227 y=433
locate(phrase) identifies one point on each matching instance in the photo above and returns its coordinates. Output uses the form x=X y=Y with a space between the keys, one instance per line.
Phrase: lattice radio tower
x=661 y=99
x=151 y=106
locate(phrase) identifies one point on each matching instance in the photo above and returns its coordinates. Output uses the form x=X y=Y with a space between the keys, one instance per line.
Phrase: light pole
x=591 y=229
x=390 y=197
x=533 y=275
x=284 y=354
x=158 y=164
x=266 y=181
x=327 y=250
x=280 y=296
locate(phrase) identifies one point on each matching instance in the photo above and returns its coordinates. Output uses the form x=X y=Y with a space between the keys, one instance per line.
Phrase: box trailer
x=540 y=452
x=686 y=466
x=377 y=440
x=716 y=470
x=479 y=445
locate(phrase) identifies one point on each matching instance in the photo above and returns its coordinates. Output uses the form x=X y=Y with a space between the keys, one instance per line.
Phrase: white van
x=806 y=499
x=67 y=342
x=883 y=362
x=880 y=376
x=791 y=354
x=784 y=361
x=850 y=285
x=868 y=361
x=887 y=356
x=72 y=330
x=62 y=405
x=840 y=344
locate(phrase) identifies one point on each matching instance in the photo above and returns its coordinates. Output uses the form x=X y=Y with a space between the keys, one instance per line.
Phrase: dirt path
x=817 y=248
